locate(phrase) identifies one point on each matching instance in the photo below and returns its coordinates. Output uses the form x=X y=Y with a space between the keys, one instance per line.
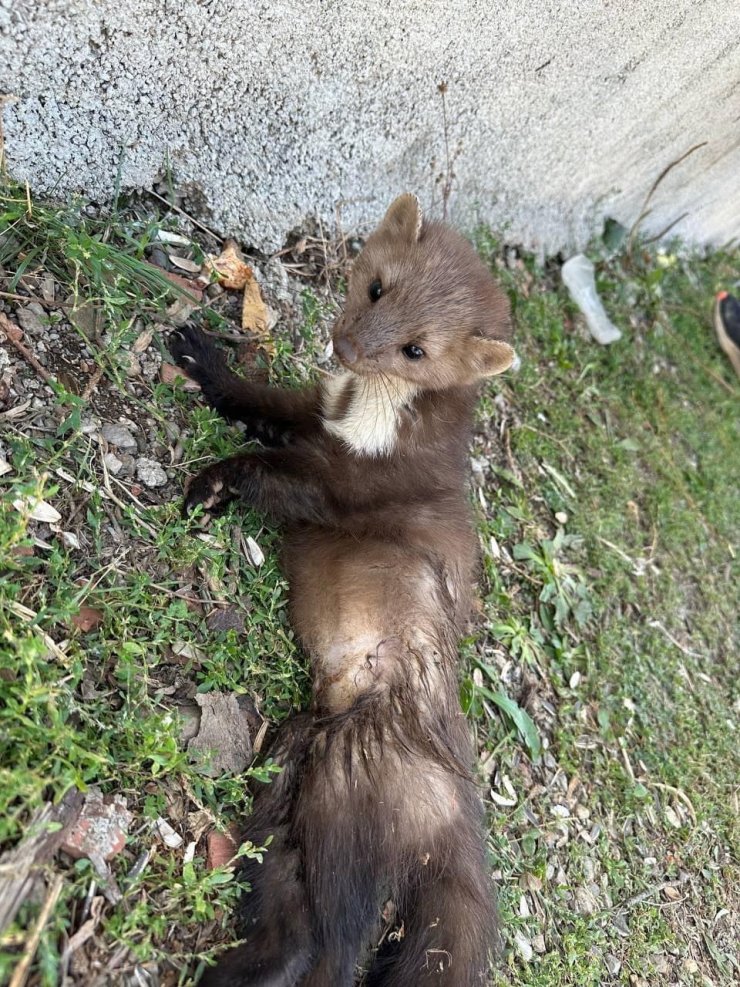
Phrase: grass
x=601 y=676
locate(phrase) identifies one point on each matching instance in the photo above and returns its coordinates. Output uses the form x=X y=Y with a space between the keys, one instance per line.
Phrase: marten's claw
x=198 y=356
x=205 y=490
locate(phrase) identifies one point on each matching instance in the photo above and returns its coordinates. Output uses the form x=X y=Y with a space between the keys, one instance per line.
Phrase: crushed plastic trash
x=578 y=278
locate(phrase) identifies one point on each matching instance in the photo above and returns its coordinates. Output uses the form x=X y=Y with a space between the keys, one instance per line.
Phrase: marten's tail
x=373 y=803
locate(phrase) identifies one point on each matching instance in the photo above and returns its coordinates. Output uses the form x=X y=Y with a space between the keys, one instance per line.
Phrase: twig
x=171 y=205
x=644 y=895
x=644 y=211
x=9 y=329
x=615 y=548
x=679 y=794
x=625 y=758
x=30 y=298
x=29 y=616
x=21 y=971
x=667 y=229
x=92 y=383
x=657 y=624
x=447 y=186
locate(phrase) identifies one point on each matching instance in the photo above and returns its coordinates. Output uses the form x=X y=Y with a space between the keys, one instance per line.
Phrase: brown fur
x=369 y=477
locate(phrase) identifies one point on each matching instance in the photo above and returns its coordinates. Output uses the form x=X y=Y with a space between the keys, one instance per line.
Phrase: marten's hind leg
x=448 y=916
x=274 y=917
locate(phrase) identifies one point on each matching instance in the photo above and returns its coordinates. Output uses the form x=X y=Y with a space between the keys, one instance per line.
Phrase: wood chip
x=223 y=741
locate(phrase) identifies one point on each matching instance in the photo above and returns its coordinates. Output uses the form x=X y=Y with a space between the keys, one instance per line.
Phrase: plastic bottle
x=578 y=278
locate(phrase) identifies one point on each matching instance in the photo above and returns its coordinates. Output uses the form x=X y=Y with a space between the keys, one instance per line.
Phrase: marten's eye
x=375 y=290
x=413 y=352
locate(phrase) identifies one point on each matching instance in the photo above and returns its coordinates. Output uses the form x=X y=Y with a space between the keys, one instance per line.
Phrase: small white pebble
x=524 y=946
x=561 y=811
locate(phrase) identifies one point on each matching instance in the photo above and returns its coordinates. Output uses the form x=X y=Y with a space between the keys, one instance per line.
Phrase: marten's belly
x=372 y=613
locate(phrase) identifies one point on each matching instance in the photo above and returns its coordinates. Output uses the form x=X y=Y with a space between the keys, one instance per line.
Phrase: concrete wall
x=560 y=111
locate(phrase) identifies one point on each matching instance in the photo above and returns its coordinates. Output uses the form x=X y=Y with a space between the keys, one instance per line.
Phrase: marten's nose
x=346 y=350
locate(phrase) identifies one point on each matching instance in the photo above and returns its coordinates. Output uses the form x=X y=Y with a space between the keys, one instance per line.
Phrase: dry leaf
x=38 y=510
x=143 y=340
x=230 y=266
x=190 y=286
x=255 y=317
x=184 y=264
x=169 y=373
x=88 y=619
x=256 y=555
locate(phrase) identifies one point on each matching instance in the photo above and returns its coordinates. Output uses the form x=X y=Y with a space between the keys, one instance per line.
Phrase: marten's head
x=421 y=306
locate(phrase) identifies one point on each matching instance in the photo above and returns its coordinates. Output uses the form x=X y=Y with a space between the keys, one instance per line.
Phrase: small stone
x=561 y=811
x=70 y=540
x=585 y=902
x=671 y=817
x=561 y=517
x=538 y=943
x=575 y=680
x=150 y=473
x=662 y=965
x=112 y=463
x=101 y=827
x=613 y=965
x=524 y=946
x=230 y=619
x=32 y=318
x=119 y=436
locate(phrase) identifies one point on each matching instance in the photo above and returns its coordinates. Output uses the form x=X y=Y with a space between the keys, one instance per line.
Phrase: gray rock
x=119 y=436
x=613 y=965
x=113 y=463
x=150 y=473
x=32 y=318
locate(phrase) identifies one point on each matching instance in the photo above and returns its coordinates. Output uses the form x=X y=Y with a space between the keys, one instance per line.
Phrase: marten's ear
x=491 y=356
x=403 y=219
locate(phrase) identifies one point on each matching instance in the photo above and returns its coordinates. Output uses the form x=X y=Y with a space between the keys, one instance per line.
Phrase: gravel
x=119 y=436
x=150 y=473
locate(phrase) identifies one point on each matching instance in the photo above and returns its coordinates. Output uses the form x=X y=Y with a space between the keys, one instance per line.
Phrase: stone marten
x=367 y=472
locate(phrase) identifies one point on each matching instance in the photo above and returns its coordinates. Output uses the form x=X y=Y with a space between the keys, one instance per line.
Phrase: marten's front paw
x=202 y=360
x=206 y=490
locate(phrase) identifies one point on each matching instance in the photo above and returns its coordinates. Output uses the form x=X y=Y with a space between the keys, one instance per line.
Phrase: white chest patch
x=368 y=421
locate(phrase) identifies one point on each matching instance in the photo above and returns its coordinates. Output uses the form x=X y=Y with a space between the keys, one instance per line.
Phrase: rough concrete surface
x=559 y=112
